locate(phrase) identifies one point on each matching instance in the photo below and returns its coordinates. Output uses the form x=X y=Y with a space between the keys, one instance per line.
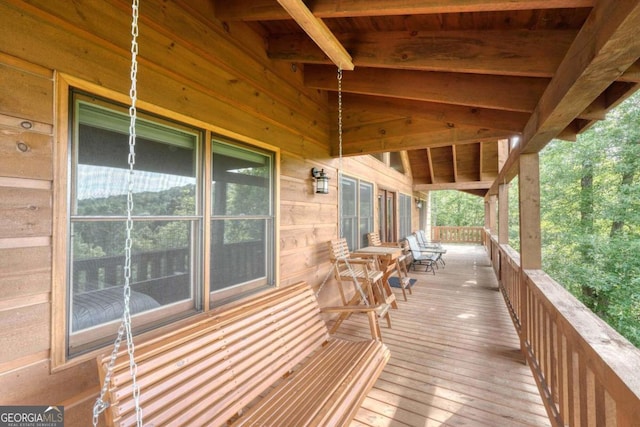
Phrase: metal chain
x=125 y=326
x=339 y=141
x=339 y=163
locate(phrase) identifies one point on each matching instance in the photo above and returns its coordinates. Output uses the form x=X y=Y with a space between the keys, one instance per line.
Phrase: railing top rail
x=592 y=335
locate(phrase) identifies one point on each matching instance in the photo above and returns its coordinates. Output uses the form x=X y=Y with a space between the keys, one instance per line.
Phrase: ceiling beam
x=430 y=163
x=357 y=105
x=399 y=140
x=319 y=33
x=605 y=48
x=454 y=163
x=470 y=185
x=373 y=132
x=497 y=92
x=534 y=53
x=258 y=10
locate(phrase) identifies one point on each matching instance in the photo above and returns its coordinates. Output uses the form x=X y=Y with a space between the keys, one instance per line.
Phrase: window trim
x=357 y=182
x=60 y=221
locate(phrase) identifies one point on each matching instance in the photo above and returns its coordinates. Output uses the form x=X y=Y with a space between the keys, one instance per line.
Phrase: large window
x=356 y=213
x=168 y=267
x=242 y=221
x=404 y=215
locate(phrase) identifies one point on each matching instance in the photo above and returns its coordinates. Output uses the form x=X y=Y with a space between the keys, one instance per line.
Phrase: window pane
x=164 y=176
x=405 y=215
x=241 y=181
x=242 y=227
x=239 y=252
x=366 y=212
x=161 y=269
x=164 y=250
x=349 y=211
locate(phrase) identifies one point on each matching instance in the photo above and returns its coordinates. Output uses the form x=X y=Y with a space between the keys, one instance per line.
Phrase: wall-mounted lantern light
x=419 y=203
x=322 y=181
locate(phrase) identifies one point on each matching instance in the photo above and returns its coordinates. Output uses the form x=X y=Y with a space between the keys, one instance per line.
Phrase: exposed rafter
x=497 y=92
x=471 y=185
x=605 y=48
x=319 y=33
x=515 y=52
x=452 y=115
x=258 y=10
x=398 y=138
x=444 y=80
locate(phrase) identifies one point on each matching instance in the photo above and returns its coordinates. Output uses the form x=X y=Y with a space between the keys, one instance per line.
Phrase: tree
x=591 y=217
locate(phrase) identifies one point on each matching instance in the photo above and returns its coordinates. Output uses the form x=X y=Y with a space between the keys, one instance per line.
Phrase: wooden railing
x=586 y=372
x=446 y=234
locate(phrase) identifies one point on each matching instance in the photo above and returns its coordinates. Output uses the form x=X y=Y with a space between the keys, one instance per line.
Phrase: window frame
x=160 y=132
x=405 y=213
x=359 y=239
x=61 y=220
x=228 y=294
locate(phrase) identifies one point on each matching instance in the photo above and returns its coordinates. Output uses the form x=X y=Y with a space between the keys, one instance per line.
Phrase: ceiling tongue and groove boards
x=445 y=80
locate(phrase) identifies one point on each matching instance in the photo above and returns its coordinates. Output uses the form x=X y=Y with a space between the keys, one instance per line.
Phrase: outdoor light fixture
x=419 y=203
x=322 y=181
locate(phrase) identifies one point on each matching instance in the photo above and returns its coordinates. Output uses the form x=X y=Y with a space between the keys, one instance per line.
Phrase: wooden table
x=387 y=257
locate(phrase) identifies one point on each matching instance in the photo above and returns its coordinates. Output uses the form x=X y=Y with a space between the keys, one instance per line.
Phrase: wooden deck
x=455 y=357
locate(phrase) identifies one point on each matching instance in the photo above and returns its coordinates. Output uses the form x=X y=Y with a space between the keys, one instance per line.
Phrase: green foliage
x=590 y=210
x=455 y=208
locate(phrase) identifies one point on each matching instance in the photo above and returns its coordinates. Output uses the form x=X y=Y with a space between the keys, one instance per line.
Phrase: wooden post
x=493 y=224
x=503 y=214
x=486 y=214
x=530 y=242
x=529 y=185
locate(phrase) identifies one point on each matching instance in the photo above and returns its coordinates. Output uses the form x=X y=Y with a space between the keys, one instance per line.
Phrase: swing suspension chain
x=339 y=137
x=326 y=277
x=124 y=330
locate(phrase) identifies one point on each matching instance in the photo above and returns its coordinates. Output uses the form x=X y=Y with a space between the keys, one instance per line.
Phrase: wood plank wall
x=190 y=67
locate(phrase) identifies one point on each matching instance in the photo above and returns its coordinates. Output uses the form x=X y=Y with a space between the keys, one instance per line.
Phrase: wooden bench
x=267 y=361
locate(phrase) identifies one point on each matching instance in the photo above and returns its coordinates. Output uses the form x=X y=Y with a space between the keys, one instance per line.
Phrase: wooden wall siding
x=190 y=68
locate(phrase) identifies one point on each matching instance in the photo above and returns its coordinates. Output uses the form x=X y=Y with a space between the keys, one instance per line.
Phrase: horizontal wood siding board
x=219 y=101
x=15 y=83
x=25 y=212
x=26 y=155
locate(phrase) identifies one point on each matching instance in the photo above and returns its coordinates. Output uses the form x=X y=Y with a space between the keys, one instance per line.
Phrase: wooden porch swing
x=267 y=360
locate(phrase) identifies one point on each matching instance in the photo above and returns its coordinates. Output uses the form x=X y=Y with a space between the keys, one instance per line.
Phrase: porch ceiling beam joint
x=317 y=30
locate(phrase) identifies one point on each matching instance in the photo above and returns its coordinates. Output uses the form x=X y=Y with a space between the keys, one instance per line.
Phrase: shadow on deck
x=455 y=357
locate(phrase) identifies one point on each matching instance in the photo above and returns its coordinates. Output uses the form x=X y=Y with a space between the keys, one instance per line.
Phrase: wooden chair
x=400 y=264
x=366 y=279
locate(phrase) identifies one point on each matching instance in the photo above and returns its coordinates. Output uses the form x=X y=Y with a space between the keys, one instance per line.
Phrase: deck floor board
x=455 y=358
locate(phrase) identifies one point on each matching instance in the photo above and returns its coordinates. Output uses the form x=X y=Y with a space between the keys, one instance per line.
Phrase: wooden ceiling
x=462 y=86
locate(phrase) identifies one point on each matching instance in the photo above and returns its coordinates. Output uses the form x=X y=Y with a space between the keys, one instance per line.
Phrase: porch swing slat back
x=272 y=353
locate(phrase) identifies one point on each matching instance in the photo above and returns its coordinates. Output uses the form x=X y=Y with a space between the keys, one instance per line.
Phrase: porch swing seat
x=268 y=360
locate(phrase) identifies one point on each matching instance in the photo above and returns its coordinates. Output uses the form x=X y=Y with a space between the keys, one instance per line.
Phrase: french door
x=387 y=215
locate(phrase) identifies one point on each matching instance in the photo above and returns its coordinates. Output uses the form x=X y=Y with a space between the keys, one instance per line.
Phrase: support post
x=493 y=224
x=503 y=214
x=530 y=241
x=529 y=186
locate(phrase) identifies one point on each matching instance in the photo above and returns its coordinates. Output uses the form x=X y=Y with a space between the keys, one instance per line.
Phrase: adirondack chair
x=400 y=263
x=420 y=256
x=366 y=279
x=431 y=246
